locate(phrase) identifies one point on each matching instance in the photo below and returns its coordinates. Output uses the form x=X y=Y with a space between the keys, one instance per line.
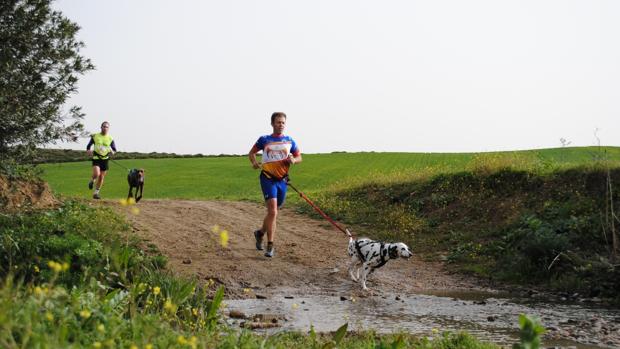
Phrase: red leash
x=319 y=210
x=303 y=196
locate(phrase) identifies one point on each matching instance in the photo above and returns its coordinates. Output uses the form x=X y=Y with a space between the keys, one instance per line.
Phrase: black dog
x=135 y=178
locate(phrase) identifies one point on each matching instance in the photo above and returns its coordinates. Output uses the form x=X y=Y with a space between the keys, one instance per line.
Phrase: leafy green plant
x=529 y=335
x=337 y=337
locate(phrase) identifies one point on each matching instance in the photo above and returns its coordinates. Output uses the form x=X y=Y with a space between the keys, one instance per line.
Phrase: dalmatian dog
x=368 y=255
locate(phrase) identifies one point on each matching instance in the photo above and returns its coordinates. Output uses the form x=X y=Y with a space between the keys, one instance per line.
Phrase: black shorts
x=102 y=164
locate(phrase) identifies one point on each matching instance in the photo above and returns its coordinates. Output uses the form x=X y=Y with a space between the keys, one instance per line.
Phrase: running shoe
x=258 y=235
x=270 y=251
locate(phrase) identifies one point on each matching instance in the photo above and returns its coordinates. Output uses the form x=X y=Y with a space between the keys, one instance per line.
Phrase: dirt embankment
x=19 y=195
x=310 y=256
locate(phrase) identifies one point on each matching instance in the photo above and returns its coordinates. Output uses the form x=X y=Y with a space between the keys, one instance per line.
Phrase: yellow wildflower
x=215 y=228
x=36 y=269
x=123 y=202
x=246 y=290
x=65 y=266
x=295 y=306
x=193 y=342
x=224 y=238
x=49 y=316
x=148 y=346
x=56 y=267
x=156 y=290
x=169 y=306
x=133 y=346
x=38 y=290
x=131 y=201
x=96 y=345
x=435 y=331
x=135 y=211
x=195 y=311
x=181 y=340
x=85 y=314
x=101 y=328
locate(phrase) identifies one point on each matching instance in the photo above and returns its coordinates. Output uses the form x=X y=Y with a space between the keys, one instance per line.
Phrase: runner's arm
x=252 y=157
x=90 y=143
x=294 y=158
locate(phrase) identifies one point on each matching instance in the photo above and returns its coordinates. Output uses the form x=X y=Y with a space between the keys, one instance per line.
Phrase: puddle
x=489 y=317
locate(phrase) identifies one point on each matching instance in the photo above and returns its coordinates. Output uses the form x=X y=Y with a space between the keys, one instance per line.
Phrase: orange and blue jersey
x=276 y=150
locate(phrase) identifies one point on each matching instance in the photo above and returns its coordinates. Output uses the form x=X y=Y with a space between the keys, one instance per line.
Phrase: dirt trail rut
x=310 y=258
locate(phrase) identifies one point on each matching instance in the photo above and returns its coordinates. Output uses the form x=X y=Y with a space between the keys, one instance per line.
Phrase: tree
x=40 y=63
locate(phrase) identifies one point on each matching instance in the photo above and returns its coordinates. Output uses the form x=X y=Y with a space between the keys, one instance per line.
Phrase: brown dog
x=135 y=178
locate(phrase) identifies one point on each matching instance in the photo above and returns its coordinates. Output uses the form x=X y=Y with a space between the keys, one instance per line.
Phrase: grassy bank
x=74 y=277
x=551 y=227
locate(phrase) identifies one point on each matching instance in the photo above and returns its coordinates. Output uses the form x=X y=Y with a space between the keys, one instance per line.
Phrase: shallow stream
x=488 y=316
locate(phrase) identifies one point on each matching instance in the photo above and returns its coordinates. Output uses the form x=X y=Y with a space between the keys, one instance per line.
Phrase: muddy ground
x=311 y=257
x=309 y=271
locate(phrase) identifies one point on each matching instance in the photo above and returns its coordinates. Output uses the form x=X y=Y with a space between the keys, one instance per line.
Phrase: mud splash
x=489 y=317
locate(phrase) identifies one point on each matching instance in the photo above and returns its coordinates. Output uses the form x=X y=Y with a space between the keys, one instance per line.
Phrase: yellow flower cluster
x=41 y=290
x=130 y=202
x=57 y=267
x=192 y=342
x=170 y=307
x=127 y=202
x=156 y=290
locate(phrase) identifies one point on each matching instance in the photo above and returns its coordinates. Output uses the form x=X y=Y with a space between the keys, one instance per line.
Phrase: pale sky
x=352 y=75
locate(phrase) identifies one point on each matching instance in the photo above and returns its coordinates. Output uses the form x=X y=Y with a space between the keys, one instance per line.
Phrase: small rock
x=266 y=318
x=288 y=297
x=491 y=318
x=260 y=296
x=187 y=261
x=397 y=298
x=237 y=314
x=260 y=325
x=343 y=298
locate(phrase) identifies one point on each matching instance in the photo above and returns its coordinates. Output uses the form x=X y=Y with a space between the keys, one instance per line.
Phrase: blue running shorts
x=273 y=189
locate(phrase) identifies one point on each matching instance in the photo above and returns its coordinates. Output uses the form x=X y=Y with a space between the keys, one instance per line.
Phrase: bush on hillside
x=75 y=234
x=510 y=224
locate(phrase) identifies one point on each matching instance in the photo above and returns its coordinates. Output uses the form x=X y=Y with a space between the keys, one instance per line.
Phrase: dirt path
x=310 y=256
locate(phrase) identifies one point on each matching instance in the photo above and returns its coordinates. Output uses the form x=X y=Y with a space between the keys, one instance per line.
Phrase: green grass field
x=232 y=178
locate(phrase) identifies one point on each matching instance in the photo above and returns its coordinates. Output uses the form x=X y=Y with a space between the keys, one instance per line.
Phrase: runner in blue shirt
x=279 y=153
